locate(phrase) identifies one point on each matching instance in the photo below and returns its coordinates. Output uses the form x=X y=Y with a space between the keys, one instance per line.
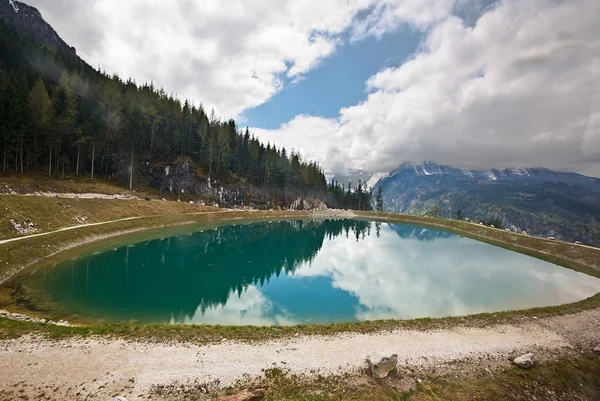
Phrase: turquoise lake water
x=292 y=272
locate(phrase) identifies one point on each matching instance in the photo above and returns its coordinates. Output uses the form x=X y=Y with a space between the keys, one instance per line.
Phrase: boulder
x=245 y=395
x=597 y=350
x=385 y=365
x=524 y=361
x=147 y=198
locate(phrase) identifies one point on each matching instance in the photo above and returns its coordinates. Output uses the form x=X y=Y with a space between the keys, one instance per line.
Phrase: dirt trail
x=98 y=368
x=6 y=241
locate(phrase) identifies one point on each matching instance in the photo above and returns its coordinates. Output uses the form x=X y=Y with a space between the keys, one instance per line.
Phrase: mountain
x=539 y=201
x=29 y=20
x=354 y=176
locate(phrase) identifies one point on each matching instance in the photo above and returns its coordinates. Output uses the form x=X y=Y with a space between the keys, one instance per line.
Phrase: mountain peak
x=29 y=21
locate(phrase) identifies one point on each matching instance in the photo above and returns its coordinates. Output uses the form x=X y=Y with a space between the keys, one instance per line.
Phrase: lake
x=299 y=272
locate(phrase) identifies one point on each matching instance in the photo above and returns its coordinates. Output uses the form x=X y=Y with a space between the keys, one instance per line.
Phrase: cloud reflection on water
x=411 y=272
x=252 y=307
x=410 y=278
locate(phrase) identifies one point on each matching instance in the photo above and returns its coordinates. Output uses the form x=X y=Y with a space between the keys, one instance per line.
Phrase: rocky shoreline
x=24 y=318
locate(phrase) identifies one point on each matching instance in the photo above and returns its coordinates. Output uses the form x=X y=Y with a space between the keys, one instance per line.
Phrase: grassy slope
x=51 y=214
x=30 y=183
x=568 y=378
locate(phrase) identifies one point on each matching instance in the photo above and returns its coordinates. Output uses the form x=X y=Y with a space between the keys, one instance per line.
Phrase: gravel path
x=98 y=368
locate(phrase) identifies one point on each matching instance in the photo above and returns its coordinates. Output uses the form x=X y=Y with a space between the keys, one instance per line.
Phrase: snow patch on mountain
x=375 y=179
x=14 y=5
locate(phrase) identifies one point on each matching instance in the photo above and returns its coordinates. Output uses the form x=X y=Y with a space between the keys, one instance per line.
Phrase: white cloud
x=309 y=135
x=250 y=308
x=402 y=278
x=230 y=54
x=387 y=15
x=520 y=88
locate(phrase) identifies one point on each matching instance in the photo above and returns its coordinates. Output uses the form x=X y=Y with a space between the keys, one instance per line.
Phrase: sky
x=368 y=84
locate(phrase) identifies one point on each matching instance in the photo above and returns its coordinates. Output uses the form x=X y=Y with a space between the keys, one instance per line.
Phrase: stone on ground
x=383 y=368
x=597 y=350
x=524 y=361
x=246 y=395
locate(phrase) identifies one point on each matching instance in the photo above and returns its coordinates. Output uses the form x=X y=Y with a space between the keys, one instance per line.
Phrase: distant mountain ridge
x=536 y=200
x=536 y=174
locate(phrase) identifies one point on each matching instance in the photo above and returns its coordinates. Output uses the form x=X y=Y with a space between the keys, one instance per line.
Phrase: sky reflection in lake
x=286 y=273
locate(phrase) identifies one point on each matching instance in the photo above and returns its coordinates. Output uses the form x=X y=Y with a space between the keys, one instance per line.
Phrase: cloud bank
x=519 y=88
x=229 y=54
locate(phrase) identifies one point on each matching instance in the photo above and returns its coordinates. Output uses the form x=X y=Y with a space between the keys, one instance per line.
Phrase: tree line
x=350 y=197
x=61 y=116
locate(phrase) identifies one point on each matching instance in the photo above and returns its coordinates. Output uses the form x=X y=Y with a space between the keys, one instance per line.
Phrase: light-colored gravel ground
x=98 y=368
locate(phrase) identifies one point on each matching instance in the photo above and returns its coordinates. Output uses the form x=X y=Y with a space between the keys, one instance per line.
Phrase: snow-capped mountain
x=537 y=174
x=375 y=179
x=354 y=176
x=537 y=200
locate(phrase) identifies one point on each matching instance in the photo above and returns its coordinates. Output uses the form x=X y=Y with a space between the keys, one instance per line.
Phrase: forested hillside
x=60 y=116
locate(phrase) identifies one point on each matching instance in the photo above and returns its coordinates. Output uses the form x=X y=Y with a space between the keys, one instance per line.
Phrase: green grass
x=50 y=214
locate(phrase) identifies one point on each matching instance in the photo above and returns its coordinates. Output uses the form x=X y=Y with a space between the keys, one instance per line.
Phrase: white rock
x=118 y=398
x=524 y=361
x=385 y=365
x=597 y=350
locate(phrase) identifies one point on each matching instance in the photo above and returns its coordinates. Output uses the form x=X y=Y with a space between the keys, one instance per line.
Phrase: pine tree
x=40 y=113
x=379 y=199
